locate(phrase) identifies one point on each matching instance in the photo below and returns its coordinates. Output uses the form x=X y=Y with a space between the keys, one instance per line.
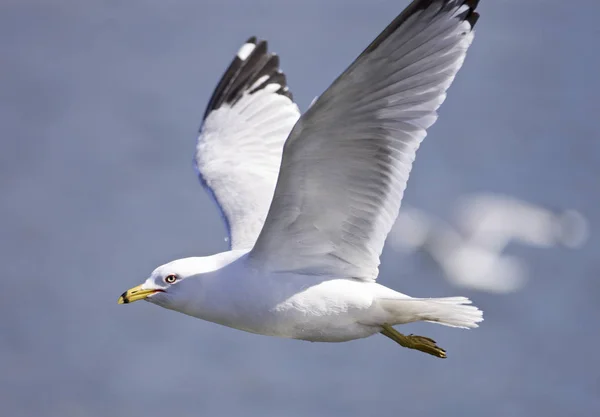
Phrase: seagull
x=494 y=220
x=465 y=262
x=309 y=199
x=471 y=253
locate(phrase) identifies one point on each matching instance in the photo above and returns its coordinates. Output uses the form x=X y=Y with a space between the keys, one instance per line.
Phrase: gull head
x=164 y=285
x=164 y=282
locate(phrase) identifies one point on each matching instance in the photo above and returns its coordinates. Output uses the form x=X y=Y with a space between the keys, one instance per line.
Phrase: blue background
x=100 y=103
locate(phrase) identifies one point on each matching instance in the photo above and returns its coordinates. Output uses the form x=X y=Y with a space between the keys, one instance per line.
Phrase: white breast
x=304 y=307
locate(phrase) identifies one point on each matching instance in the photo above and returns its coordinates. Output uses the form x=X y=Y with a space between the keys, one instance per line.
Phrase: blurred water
x=99 y=107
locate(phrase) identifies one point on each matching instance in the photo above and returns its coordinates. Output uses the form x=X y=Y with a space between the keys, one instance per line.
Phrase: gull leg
x=424 y=344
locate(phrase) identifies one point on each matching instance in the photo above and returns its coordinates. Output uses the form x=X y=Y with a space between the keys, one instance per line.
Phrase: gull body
x=309 y=200
x=313 y=308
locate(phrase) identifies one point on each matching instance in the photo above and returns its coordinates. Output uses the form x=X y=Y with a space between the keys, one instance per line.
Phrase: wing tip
x=273 y=70
x=472 y=19
x=247 y=48
x=252 y=63
x=469 y=15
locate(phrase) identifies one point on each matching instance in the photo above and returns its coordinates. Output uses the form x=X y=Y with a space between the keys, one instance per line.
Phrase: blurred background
x=100 y=103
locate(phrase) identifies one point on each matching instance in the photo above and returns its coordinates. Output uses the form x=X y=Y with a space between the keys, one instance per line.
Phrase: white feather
x=238 y=156
x=346 y=163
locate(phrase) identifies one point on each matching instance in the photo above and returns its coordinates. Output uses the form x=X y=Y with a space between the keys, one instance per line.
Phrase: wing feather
x=238 y=153
x=346 y=162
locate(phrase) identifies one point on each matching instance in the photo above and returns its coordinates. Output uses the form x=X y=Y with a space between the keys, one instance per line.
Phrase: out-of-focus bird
x=470 y=254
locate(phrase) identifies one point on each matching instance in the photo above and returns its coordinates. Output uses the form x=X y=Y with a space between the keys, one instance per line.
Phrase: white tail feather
x=450 y=311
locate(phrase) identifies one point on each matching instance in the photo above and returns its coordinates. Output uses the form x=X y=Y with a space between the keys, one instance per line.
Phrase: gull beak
x=135 y=294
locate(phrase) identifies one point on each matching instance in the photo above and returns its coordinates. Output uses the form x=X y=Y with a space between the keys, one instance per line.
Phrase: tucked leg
x=424 y=344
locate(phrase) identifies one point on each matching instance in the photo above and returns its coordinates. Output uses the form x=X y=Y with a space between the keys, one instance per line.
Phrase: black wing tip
x=247 y=67
x=472 y=3
x=469 y=15
x=472 y=19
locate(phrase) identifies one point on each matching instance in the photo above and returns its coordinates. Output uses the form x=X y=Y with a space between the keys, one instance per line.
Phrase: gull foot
x=424 y=344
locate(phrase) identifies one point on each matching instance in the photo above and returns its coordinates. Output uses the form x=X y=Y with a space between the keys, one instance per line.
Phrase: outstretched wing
x=238 y=154
x=347 y=160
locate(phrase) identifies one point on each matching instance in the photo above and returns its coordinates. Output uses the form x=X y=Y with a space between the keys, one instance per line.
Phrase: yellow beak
x=135 y=294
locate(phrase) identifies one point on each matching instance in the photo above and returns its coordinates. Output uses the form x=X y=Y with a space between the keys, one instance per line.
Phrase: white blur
x=470 y=253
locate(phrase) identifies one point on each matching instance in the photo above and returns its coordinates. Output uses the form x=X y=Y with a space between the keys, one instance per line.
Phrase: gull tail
x=450 y=311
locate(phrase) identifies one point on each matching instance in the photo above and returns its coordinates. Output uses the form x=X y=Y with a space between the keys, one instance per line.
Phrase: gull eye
x=169 y=279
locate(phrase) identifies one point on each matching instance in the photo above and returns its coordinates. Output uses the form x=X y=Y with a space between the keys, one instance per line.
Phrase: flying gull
x=309 y=199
